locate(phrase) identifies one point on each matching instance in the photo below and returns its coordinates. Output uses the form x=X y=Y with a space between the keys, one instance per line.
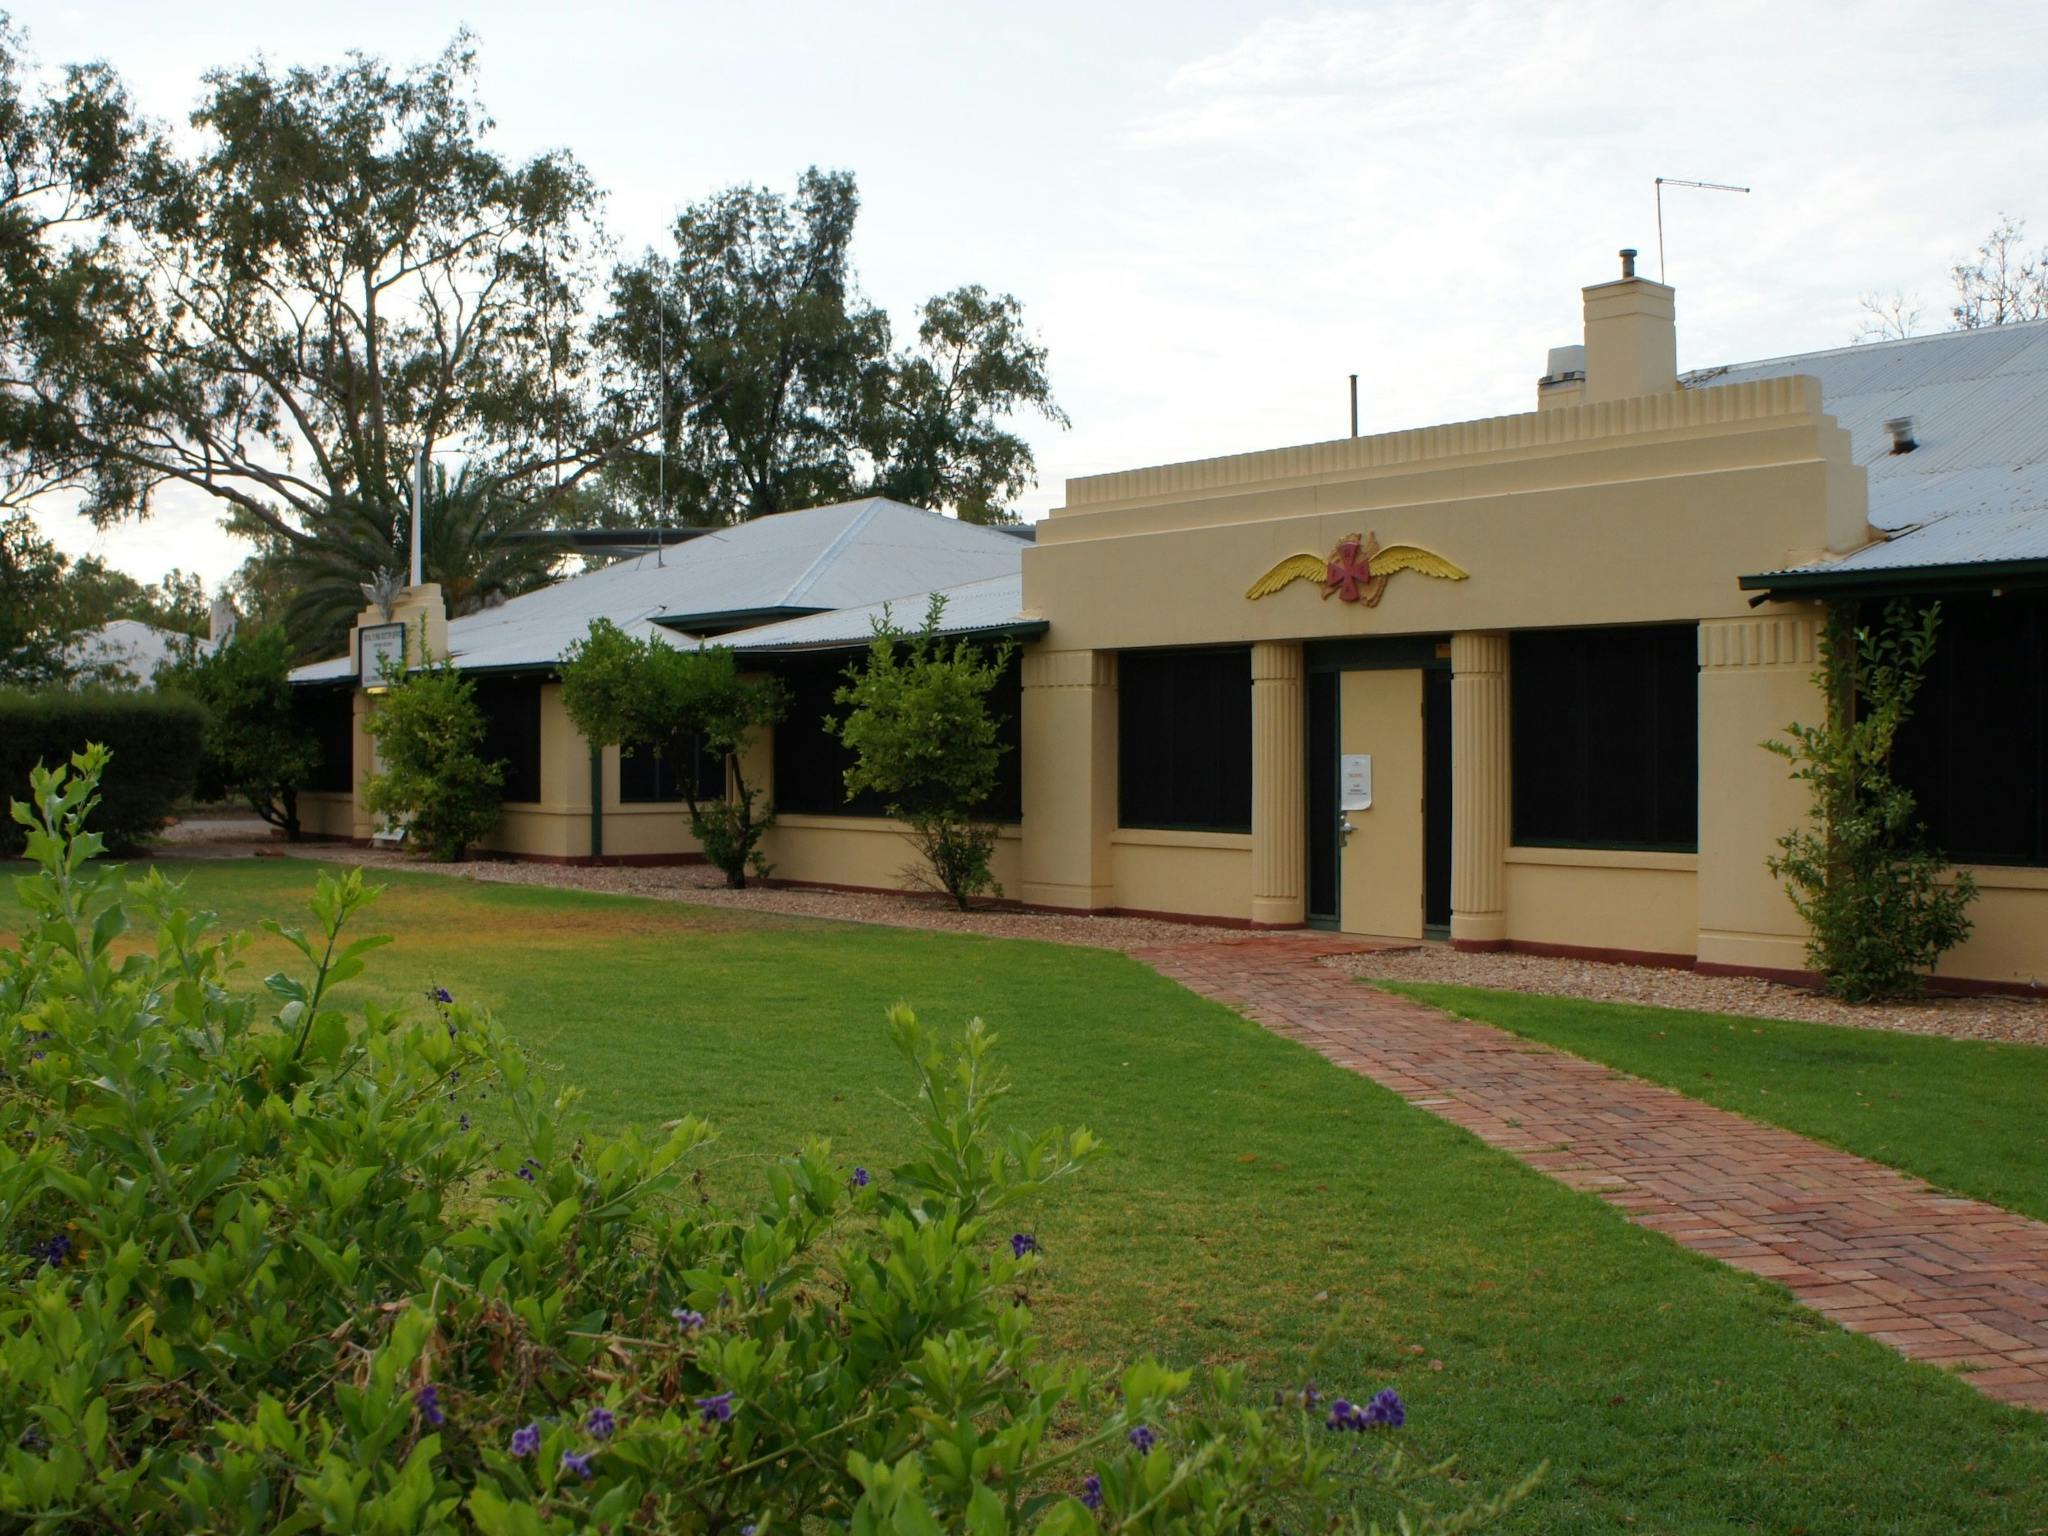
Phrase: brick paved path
x=1955 y=1282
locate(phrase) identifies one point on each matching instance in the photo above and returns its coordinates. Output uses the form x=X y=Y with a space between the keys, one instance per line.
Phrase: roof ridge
x=815 y=571
x=1722 y=369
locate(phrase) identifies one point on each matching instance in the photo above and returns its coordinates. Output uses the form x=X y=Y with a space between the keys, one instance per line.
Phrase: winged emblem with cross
x=1356 y=571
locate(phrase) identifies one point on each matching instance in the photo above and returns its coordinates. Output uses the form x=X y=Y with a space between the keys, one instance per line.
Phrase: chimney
x=1564 y=380
x=220 y=622
x=1902 y=431
x=1631 y=342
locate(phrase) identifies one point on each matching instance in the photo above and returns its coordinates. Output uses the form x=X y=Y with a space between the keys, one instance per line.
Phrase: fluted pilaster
x=1279 y=785
x=1479 y=788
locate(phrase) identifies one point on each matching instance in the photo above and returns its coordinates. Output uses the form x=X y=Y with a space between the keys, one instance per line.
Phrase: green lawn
x=1256 y=1199
x=1964 y=1114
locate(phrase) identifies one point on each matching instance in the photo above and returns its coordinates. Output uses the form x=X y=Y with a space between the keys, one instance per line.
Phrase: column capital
x=1069 y=669
x=1278 y=661
x=1779 y=640
x=1476 y=650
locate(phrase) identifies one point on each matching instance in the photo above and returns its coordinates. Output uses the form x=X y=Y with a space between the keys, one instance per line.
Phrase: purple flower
x=1022 y=1243
x=860 y=1178
x=54 y=1252
x=1091 y=1491
x=715 y=1409
x=579 y=1463
x=600 y=1423
x=1387 y=1408
x=462 y=1122
x=525 y=1442
x=1144 y=1439
x=441 y=995
x=529 y=1170
x=428 y=1401
x=688 y=1319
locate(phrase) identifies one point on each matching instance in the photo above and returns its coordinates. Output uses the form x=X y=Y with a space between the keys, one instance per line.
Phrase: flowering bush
x=271 y=1271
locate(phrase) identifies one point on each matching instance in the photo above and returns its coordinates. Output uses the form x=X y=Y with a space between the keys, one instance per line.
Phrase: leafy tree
x=37 y=626
x=1877 y=909
x=645 y=695
x=49 y=603
x=435 y=781
x=923 y=737
x=341 y=272
x=782 y=388
x=937 y=435
x=255 y=745
x=76 y=161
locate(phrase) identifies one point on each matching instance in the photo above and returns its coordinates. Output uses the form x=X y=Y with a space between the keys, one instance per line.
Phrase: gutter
x=1023 y=629
x=1881 y=581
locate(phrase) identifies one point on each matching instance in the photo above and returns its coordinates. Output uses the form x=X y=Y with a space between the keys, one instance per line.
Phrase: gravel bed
x=2023 y=1020
x=701 y=885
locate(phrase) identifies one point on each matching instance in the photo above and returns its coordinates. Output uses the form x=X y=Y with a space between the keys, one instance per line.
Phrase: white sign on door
x=1355 y=782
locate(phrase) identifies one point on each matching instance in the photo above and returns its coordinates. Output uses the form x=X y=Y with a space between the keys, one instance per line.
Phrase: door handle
x=1344 y=827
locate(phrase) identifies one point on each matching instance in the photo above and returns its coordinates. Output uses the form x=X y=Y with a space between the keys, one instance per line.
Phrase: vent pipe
x=1901 y=429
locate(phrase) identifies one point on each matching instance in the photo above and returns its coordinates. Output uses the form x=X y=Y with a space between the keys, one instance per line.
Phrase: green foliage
x=1880 y=907
x=435 y=781
x=645 y=695
x=270 y=1277
x=783 y=390
x=256 y=746
x=332 y=269
x=918 y=723
x=160 y=737
x=474 y=544
x=49 y=602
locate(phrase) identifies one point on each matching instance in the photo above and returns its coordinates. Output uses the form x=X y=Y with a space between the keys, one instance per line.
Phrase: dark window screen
x=1605 y=734
x=511 y=711
x=1975 y=751
x=1184 y=739
x=646 y=777
x=811 y=764
x=328 y=716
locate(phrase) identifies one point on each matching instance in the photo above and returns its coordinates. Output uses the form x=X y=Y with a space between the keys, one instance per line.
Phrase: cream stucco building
x=1500 y=681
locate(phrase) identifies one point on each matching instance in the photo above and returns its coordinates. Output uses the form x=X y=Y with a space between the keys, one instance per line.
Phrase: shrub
x=158 y=737
x=647 y=696
x=256 y=746
x=268 y=1274
x=435 y=781
x=918 y=723
x=1878 y=913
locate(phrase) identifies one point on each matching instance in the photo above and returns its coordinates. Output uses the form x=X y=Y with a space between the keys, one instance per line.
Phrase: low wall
x=867 y=852
x=1197 y=874
x=1601 y=900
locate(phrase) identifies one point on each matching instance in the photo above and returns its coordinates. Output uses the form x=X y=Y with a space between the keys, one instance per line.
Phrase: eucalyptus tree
x=775 y=382
x=76 y=160
x=341 y=273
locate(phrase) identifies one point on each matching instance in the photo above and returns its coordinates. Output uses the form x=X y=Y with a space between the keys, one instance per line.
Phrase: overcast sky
x=1213 y=213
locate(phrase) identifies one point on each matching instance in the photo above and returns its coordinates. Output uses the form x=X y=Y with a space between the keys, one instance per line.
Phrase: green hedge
x=155 y=739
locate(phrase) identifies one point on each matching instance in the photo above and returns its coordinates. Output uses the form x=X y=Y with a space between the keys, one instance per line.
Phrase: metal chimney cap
x=1901 y=429
x=1628 y=261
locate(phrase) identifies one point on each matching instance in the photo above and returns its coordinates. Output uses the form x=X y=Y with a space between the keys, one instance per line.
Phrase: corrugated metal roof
x=856 y=552
x=1975 y=490
x=974 y=608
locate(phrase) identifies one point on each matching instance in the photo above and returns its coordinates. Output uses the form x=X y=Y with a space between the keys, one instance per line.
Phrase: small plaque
x=1355 y=782
x=377 y=643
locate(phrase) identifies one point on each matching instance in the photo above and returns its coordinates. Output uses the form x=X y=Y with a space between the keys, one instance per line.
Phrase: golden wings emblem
x=1356 y=571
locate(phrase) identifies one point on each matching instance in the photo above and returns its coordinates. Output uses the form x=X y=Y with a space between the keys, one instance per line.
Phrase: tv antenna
x=1676 y=181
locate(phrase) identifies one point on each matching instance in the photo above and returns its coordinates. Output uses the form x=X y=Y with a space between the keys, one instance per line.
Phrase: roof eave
x=1021 y=629
x=1874 y=581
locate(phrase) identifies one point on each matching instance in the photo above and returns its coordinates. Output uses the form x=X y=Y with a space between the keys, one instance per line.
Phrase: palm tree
x=478 y=544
